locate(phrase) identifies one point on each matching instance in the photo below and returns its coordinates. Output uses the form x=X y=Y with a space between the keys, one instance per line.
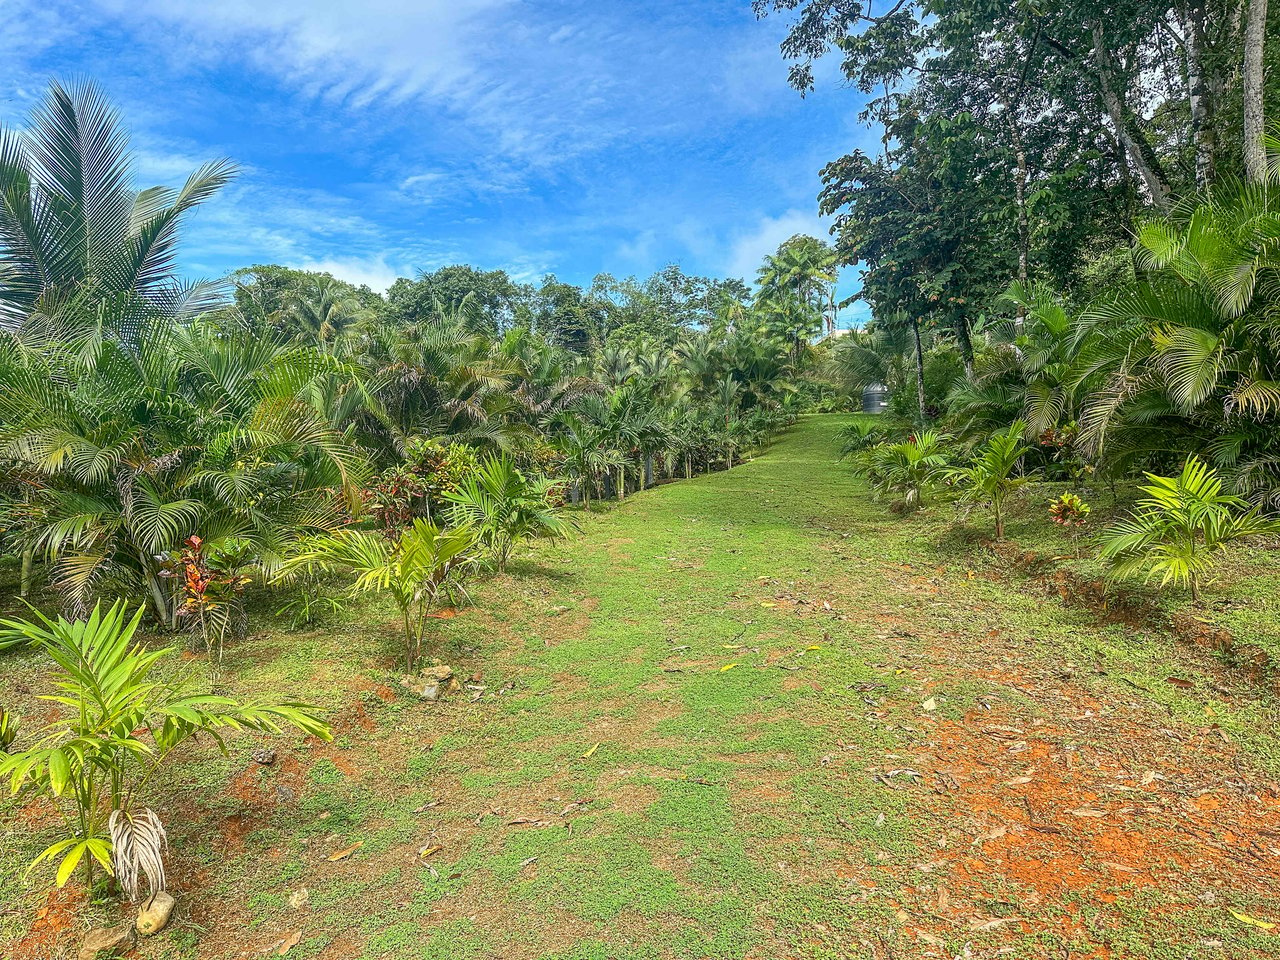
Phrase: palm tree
x=422 y=566
x=81 y=251
x=436 y=377
x=1032 y=371
x=322 y=310
x=137 y=450
x=1188 y=361
x=796 y=285
x=504 y=507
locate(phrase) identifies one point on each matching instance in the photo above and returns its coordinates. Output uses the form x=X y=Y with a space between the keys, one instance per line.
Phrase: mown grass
x=684 y=809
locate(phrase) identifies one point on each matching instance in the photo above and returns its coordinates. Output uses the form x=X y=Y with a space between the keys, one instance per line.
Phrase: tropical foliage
x=1180 y=528
x=121 y=721
x=504 y=508
x=990 y=476
x=423 y=565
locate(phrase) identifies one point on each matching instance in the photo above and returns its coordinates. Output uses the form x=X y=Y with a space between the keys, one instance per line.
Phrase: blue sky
x=381 y=138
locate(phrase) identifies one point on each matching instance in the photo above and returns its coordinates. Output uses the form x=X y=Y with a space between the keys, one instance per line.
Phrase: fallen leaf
x=731 y=646
x=727 y=666
x=1088 y=812
x=814 y=646
x=1179 y=682
x=590 y=753
x=767 y=603
x=288 y=943
x=931 y=704
x=343 y=854
x=978 y=927
x=429 y=851
x=995 y=833
x=523 y=820
x=1253 y=921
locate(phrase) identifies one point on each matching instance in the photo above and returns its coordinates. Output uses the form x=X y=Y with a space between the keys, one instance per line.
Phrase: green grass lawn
x=750 y=715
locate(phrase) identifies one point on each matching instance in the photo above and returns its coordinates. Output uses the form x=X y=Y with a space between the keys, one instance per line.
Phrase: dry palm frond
x=138 y=843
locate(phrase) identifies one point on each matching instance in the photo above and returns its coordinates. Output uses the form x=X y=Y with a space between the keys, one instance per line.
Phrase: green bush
x=1180 y=528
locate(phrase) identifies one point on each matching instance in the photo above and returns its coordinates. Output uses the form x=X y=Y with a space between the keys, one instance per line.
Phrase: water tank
x=875 y=398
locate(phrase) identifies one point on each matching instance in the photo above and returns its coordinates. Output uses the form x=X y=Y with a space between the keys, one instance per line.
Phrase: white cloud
x=374 y=272
x=751 y=247
x=377 y=49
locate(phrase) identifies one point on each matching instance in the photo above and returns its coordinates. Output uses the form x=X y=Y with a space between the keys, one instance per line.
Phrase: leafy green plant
x=505 y=507
x=310 y=604
x=8 y=730
x=1180 y=528
x=416 y=569
x=212 y=585
x=124 y=720
x=905 y=471
x=860 y=433
x=989 y=477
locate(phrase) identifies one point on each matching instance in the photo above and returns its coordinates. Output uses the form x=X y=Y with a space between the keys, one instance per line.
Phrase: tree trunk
x=1135 y=143
x=648 y=471
x=1255 y=41
x=24 y=583
x=162 y=606
x=995 y=506
x=622 y=482
x=1024 y=220
x=1203 y=134
x=915 y=330
x=965 y=342
x=688 y=467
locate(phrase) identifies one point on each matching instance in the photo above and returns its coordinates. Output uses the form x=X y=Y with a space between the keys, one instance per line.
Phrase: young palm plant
x=124 y=720
x=990 y=476
x=417 y=569
x=505 y=508
x=1180 y=528
x=906 y=471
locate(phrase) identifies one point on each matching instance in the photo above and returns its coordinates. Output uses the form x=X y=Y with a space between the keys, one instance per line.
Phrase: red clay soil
x=1091 y=804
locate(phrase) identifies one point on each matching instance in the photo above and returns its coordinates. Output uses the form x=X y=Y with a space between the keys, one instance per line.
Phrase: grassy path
x=746 y=716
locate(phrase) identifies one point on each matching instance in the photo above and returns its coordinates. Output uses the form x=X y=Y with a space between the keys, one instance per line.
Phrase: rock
x=300 y=898
x=155 y=913
x=432 y=683
x=102 y=942
x=264 y=755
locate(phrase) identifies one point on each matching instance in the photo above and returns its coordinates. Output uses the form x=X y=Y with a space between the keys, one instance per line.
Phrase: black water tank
x=875 y=398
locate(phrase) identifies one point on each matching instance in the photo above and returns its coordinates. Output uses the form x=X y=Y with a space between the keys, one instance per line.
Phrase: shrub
x=859 y=434
x=124 y=722
x=990 y=478
x=1072 y=513
x=419 y=486
x=1180 y=528
x=505 y=507
x=419 y=567
x=905 y=471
